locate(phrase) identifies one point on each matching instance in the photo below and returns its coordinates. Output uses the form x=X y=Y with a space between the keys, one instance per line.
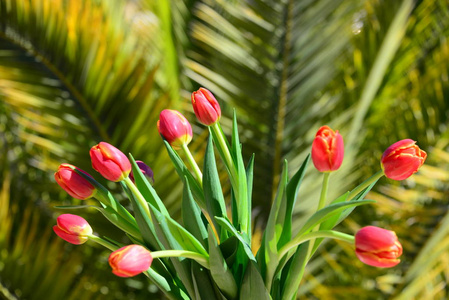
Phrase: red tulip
x=175 y=128
x=327 y=150
x=73 y=183
x=72 y=228
x=206 y=107
x=146 y=170
x=130 y=260
x=377 y=247
x=110 y=162
x=402 y=159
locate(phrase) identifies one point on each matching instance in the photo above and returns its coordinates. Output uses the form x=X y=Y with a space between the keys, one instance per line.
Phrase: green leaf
x=249 y=180
x=184 y=238
x=160 y=276
x=243 y=239
x=205 y=288
x=146 y=189
x=292 y=194
x=213 y=193
x=191 y=216
x=359 y=197
x=253 y=287
x=182 y=171
x=329 y=211
x=274 y=228
x=219 y=269
x=169 y=241
x=295 y=271
x=144 y=222
x=244 y=214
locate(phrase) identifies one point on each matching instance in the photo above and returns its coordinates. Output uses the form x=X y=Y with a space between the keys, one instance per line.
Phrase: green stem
x=324 y=189
x=314 y=235
x=193 y=164
x=365 y=184
x=103 y=242
x=199 y=258
x=139 y=197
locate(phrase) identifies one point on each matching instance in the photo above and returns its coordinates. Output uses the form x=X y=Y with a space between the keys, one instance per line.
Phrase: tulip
x=110 y=162
x=402 y=159
x=175 y=128
x=206 y=107
x=377 y=247
x=327 y=150
x=146 y=170
x=130 y=260
x=72 y=228
x=74 y=184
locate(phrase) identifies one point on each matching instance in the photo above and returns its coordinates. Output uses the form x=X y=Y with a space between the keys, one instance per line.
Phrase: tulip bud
x=146 y=171
x=206 y=107
x=73 y=183
x=73 y=229
x=130 y=260
x=110 y=162
x=377 y=247
x=402 y=159
x=327 y=150
x=175 y=128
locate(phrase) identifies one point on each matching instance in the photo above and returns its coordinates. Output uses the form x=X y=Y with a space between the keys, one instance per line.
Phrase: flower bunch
x=208 y=256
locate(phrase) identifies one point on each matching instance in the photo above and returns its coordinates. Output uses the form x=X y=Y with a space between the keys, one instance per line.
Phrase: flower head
x=206 y=107
x=110 y=162
x=327 y=150
x=73 y=183
x=146 y=171
x=130 y=260
x=72 y=228
x=402 y=159
x=175 y=128
x=377 y=247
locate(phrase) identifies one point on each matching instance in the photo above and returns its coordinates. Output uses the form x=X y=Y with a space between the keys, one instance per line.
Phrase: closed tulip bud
x=74 y=184
x=130 y=260
x=175 y=128
x=327 y=150
x=110 y=162
x=146 y=171
x=402 y=159
x=377 y=247
x=72 y=228
x=206 y=107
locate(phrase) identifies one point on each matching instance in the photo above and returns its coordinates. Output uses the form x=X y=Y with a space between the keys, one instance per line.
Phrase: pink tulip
x=73 y=183
x=327 y=150
x=72 y=228
x=377 y=247
x=175 y=128
x=110 y=162
x=206 y=107
x=130 y=260
x=402 y=159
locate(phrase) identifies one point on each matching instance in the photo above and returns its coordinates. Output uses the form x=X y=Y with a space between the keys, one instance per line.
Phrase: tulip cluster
x=206 y=229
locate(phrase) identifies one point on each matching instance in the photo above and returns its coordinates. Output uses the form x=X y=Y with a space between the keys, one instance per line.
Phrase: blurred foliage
x=73 y=73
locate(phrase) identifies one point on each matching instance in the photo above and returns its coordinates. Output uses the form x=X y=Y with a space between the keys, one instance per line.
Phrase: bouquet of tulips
x=208 y=255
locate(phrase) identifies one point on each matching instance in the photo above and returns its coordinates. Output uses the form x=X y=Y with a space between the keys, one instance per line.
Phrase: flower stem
x=139 y=197
x=193 y=164
x=314 y=235
x=324 y=189
x=365 y=184
x=199 y=258
x=103 y=242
